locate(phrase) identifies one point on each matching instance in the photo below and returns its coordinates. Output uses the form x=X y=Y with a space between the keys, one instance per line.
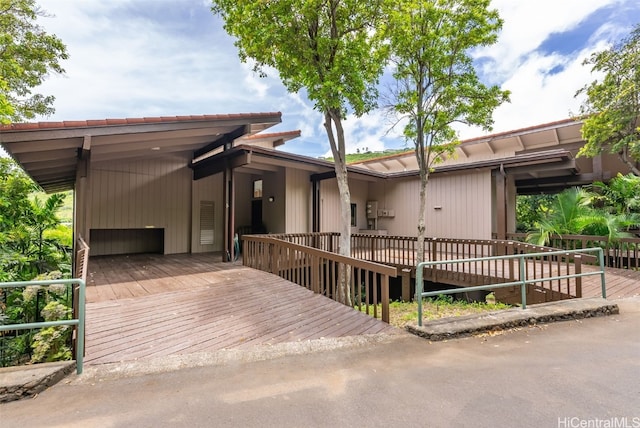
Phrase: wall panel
x=464 y=200
x=298 y=201
x=142 y=194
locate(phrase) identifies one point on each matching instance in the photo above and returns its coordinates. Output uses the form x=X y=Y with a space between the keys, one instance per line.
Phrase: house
x=188 y=184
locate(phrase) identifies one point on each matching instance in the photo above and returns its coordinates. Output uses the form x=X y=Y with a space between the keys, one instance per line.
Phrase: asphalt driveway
x=567 y=374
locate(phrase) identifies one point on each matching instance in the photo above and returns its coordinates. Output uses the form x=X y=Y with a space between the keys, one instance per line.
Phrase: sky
x=133 y=58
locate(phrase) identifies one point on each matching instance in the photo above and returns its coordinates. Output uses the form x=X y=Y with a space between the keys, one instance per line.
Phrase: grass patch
x=403 y=313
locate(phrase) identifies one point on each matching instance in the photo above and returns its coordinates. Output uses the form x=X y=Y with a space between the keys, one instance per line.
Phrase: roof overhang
x=50 y=151
x=560 y=134
x=250 y=158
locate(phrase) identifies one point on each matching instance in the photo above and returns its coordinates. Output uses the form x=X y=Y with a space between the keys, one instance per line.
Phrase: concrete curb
x=444 y=329
x=27 y=381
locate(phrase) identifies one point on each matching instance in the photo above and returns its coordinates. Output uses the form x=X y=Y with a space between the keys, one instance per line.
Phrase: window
x=354 y=215
x=257 y=189
x=206 y=222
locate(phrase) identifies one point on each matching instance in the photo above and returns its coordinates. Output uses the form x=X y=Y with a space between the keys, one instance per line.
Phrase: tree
x=27 y=55
x=437 y=85
x=25 y=250
x=331 y=48
x=612 y=108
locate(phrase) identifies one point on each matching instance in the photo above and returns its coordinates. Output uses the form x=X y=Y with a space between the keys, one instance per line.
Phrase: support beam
x=501 y=205
x=225 y=139
x=596 y=163
x=490 y=147
x=315 y=202
x=323 y=176
x=220 y=162
x=229 y=215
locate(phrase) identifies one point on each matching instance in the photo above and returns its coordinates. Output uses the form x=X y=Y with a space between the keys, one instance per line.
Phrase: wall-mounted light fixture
x=271 y=198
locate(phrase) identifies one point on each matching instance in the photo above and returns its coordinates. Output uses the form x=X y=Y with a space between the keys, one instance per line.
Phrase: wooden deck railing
x=81 y=264
x=623 y=253
x=81 y=260
x=327 y=241
x=401 y=252
x=319 y=270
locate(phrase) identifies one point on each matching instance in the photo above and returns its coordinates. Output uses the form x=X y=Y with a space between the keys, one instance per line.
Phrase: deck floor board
x=142 y=306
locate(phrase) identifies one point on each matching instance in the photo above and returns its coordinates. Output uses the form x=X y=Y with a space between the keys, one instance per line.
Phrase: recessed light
x=155 y=148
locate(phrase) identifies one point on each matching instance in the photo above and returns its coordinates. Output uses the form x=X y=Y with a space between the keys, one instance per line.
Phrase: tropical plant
x=26 y=248
x=531 y=209
x=36 y=304
x=571 y=212
x=621 y=195
x=436 y=82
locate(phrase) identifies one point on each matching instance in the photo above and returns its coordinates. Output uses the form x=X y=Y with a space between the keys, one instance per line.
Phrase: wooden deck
x=150 y=305
x=620 y=283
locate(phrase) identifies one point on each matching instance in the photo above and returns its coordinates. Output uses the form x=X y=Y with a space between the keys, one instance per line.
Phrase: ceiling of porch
x=50 y=151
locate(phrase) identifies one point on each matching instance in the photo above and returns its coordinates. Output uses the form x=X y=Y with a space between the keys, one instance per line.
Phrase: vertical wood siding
x=244 y=195
x=465 y=201
x=207 y=189
x=330 y=204
x=273 y=213
x=298 y=200
x=138 y=195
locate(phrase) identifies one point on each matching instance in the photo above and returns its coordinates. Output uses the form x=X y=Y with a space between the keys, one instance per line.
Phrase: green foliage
x=368 y=155
x=30 y=241
x=437 y=84
x=27 y=55
x=35 y=304
x=620 y=196
x=51 y=343
x=442 y=306
x=330 y=48
x=572 y=212
x=612 y=107
x=531 y=209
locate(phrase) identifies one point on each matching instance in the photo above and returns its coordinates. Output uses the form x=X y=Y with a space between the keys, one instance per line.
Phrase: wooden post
x=434 y=257
x=315 y=274
x=406 y=285
x=501 y=205
x=385 y=298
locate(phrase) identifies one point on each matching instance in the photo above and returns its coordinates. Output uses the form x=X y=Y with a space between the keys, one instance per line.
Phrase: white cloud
x=515 y=62
x=160 y=57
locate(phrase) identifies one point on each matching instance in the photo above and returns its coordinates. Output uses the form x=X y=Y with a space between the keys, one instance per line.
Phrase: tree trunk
x=332 y=117
x=421 y=216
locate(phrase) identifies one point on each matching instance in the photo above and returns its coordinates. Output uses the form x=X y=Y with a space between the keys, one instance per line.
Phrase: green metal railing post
x=523 y=285
x=80 y=335
x=77 y=322
x=601 y=260
x=522 y=281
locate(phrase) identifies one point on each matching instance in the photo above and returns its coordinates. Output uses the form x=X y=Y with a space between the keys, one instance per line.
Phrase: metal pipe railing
x=522 y=281
x=78 y=323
